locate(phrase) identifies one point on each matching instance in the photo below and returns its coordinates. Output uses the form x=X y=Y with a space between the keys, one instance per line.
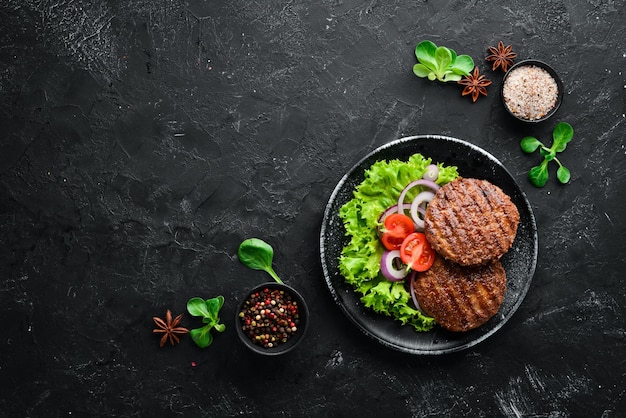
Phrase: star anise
x=169 y=328
x=501 y=56
x=475 y=84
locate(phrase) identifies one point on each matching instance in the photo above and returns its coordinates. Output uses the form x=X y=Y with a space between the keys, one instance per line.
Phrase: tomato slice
x=390 y=242
x=396 y=228
x=416 y=252
x=398 y=225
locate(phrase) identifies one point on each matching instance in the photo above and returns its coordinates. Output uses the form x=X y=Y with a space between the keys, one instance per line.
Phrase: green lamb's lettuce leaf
x=463 y=65
x=359 y=262
x=209 y=311
x=425 y=53
x=538 y=175
x=440 y=63
x=561 y=135
x=258 y=255
x=421 y=70
x=563 y=174
x=530 y=144
x=443 y=58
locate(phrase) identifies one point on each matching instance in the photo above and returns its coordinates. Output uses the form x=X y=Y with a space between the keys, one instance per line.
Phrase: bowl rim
x=553 y=74
x=293 y=341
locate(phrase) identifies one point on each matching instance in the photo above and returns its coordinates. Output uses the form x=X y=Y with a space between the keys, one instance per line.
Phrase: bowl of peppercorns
x=272 y=319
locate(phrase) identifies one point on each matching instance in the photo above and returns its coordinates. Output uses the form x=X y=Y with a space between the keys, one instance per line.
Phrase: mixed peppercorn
x=270 y=317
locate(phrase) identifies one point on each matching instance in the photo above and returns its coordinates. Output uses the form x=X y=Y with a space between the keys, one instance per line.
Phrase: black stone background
x=143 y=140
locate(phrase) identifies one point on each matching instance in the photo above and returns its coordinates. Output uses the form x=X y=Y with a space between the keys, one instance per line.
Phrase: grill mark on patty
x=488 y=197
x=471 y=308
x=454 y=224
x=454 y=295
x=485 y=303
x=496 y=202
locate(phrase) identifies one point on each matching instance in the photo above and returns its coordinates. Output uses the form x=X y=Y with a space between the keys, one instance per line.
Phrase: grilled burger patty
x=471 y=221
x=461 y=298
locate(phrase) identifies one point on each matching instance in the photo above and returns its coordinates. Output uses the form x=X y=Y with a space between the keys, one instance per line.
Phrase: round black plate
x=519 y=262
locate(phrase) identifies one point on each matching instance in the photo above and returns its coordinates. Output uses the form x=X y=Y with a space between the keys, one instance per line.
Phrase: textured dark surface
x=142 y=141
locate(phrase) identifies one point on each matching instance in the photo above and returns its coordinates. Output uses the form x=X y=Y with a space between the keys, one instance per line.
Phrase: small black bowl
x=278 y=347
x=553 y=74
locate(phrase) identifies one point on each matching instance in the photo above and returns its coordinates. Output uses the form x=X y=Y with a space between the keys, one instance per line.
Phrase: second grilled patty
x=461 y=298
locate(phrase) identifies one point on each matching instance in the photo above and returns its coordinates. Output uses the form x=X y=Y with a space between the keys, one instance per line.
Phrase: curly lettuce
x=359 y=262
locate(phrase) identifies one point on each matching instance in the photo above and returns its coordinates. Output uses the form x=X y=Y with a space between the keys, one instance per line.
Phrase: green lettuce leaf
x=359 y=262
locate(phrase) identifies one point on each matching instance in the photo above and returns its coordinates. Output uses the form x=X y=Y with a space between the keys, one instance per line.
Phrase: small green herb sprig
x=258 y=255
x=209 y=310
x=561 y=135
x=441 y=63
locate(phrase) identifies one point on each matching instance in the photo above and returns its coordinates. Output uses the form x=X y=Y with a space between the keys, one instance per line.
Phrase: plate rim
x=327 y=213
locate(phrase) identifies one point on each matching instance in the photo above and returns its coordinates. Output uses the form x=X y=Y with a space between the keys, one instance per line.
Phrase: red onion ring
x=393 y=209
x=426 y=196
x=431 y=173
x=388 y=266
x=412 y=291
x=421 y=182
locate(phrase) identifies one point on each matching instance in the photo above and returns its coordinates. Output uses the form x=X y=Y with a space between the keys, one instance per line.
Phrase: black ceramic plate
x=519 y=262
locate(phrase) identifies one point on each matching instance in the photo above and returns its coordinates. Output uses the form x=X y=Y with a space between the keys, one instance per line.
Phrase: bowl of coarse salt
x=532 y=91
